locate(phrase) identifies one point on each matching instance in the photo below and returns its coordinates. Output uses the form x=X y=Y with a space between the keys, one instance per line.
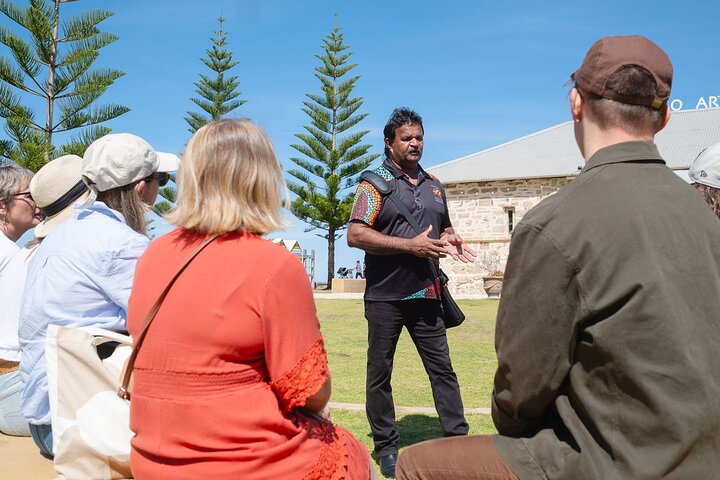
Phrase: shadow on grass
x=415 y=428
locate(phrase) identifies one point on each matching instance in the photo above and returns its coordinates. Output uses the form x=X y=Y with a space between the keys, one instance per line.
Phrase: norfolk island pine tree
x=54 y=66
x=218 y=96
x=330 y=164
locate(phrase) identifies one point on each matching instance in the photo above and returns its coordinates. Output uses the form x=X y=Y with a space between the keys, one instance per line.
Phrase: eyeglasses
x=25 y=195
x=162 y=177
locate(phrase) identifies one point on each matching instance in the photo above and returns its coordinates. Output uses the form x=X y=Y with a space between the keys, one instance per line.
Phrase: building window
x=510 y=218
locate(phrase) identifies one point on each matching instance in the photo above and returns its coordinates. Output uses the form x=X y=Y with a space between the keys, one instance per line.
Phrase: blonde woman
x=235 y=349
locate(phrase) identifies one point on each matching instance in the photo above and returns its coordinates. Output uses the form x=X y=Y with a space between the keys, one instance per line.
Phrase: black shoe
x=387 y=464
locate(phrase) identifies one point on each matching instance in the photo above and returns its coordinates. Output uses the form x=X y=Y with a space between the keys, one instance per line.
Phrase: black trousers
x=422 y=318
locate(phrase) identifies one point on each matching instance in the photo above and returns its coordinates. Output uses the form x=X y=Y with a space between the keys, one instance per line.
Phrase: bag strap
x=382 y=186
x=123 y=390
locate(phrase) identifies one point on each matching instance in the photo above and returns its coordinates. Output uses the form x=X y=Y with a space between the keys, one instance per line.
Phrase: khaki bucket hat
x=56 y=188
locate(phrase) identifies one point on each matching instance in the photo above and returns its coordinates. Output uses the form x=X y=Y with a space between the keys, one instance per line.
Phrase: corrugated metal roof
x=553 y=152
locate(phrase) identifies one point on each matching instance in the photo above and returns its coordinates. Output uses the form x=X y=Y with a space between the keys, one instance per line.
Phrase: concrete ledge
x=348 y=285
x=360 y=407
x=327 y=294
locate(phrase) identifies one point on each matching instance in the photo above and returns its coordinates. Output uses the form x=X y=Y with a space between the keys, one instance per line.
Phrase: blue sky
x=480 y=73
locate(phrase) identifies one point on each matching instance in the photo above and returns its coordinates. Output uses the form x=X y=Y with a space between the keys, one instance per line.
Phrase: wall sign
x=711 y=101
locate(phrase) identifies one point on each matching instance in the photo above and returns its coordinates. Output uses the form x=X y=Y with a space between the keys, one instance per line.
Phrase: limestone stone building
x=489 y=192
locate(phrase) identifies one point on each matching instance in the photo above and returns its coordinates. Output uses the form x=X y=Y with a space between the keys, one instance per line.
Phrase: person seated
x=607 y=330
x=232 y=375
x=18 y=214
x=81 y=275
x=705 y=175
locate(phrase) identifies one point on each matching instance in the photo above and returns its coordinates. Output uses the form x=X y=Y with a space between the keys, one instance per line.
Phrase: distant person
x=359 y=270
x=81 y=275
x=18 y=214
x=705 y=175
x=401 y=287
x=220 y=385
x=607 y=332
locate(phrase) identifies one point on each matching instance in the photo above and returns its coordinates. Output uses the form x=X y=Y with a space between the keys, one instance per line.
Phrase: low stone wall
x=348 y=285
x=466 y=278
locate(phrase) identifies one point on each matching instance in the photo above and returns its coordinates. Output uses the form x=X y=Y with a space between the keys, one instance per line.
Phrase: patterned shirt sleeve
x=368 y=202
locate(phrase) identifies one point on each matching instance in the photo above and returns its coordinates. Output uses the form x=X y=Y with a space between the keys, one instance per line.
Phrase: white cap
x=705 y=168
x=116 y=160
x=167 y=162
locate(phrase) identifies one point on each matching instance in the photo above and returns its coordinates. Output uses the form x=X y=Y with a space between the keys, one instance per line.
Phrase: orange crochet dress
x=235 y=347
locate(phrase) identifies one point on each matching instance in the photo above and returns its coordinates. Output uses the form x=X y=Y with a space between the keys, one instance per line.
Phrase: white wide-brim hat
x=705 y=168
x=56 y=188
x=116 y=160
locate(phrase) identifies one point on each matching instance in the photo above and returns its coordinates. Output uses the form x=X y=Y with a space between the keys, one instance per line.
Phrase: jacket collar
x=98 y=207
x=397 y=173
x=626 y=152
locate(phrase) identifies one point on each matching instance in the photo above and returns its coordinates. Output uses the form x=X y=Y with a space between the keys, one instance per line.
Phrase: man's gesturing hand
x=426 y=247
x=457 y=249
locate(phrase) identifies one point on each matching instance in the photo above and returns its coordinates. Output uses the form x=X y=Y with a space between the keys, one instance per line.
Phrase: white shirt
x=12 y=283
x=7 y=250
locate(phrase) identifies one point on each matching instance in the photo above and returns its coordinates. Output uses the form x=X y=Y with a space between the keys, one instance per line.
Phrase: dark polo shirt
x=400 y=277
x=608 y=330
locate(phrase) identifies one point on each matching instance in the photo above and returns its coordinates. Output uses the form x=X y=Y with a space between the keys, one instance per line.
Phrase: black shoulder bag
x=452 y=315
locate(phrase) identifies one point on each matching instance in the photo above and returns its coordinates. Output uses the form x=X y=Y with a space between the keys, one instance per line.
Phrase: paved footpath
x=426 y=410
x=21 y=460
x=358 y=296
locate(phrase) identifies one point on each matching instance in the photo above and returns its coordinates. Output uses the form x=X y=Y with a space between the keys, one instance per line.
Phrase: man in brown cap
x=608 y=328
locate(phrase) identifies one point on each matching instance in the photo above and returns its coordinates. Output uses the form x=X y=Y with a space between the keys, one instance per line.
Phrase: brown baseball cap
x=609 y=54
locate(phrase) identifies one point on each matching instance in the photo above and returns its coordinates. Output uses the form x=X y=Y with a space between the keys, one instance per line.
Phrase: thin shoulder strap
x=123 y=390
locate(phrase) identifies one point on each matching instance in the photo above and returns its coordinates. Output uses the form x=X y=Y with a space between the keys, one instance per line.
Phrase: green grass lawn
x=471 y=348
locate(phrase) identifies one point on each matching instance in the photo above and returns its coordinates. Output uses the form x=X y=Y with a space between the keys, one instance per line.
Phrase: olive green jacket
x=608 y=333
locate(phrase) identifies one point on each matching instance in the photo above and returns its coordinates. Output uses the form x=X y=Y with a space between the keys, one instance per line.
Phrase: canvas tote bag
x=90 y=423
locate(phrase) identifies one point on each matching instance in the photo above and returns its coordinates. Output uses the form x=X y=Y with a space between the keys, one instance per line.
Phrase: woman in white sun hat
x=54 y=189
x=705 y=175
x=81 y=275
